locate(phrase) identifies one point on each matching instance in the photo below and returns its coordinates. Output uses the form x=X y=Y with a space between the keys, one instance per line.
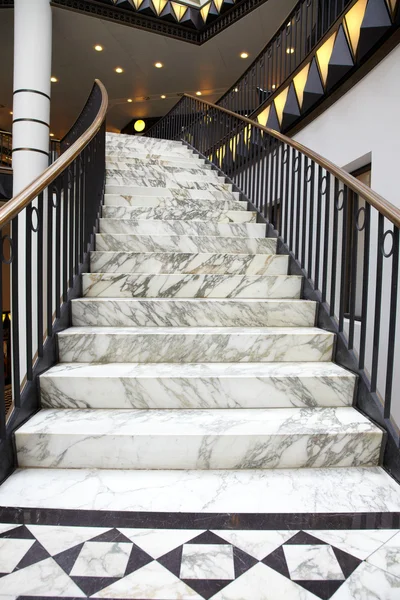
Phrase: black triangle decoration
x=273 y=121
x=291 y=111
x=192 y=19
x=376 y=23
x=207 y=587
x=321 y=589
x=168 y=14
x=314 y=89
x=341 y=61
x=147 y=8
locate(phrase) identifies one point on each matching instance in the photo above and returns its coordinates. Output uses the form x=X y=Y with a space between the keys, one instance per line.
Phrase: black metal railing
x=46 y=234
x=5 y=149
x=340 y=235
x=301 y=32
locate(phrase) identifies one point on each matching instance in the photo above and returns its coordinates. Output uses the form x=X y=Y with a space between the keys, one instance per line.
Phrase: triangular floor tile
x=67 y=559
x=207 y=538
x=242 y=562
x=172 y=561
x=321 y=589
x=158 y=542
x=20 y=533
x=7 y=527
x=35 y=554
x=151 y=581
x=277 y=561
x=91 y=585
x=112 y=536
x=256 y=543
x=138 y=558
x=42 y=579
x=347 y=562
x=304 y=538
x=360 y=543
x=207 y=587
x=56 y=539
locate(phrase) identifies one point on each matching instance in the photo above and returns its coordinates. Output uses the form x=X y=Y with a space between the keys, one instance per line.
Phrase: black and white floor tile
x=70 y=554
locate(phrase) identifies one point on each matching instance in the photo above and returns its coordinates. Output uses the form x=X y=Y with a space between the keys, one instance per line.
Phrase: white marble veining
x=157 y=542
x=369 y=583
x=11 y=553
x=360 y=543
x=179 y=243
x=128 y=144
x=188 y=263
x=123 y=285
x=139 y=155
x=189 y=228
x=102 y=559
x=312 y=562
x=258 y=544
x=203 y=439
x=207 y=561
x=387 y=557
x=198 y=312
x=194 y=344
x=340 y=490
x=156 y=176
x=171 y=187
x=132 y=162
x=189 y=213
x=193 y=386
x=166 y=202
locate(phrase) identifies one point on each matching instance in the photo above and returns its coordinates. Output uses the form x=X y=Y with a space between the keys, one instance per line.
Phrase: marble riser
x=159 y=312
x=196 y=386
x=133 y=285
x=217 y=191
x=161 y=147
x=130 y=164
x=188 y=263
x=203 y=439
x=190 y=213
x=140 y=155
x=194 y=344
x=282 y=491
x=173 y=203
x=191 y=228
x=157 y=174
x=177 y=243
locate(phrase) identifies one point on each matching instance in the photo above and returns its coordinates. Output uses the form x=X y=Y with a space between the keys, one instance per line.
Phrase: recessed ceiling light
x=118 y=70
x=52 y=135
x=158 y=65
x=98 y=48
x=198 y=93
x=163 y=97
x=53 y=79
x=244 y=55
x=289 y=50
x=129 y=100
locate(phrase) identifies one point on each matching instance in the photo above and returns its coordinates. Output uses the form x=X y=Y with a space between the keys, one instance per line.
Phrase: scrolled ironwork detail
x=340 y=193
x=35 y=211
x=309 y=173
x=323 y=185
x=361 y=211
x=385 y=235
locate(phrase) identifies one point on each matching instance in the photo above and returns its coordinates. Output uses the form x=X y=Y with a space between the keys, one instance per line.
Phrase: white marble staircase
x=191 y=357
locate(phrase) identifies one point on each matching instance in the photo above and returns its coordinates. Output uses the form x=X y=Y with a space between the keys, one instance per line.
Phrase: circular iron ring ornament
x=35 y=211
x=323 y=185
x=385 y=235
x=360 y=211
x=340 y=193
x=3 y=259
x=296 y=164
x=285 y=156
x=310 y=169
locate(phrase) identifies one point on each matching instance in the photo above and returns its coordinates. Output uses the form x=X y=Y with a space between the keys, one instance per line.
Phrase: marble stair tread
x=154 y=172
x=173 y=203
x=270 y=491
x=131 y=285
x=177 y=312
x=191 y=228
x=180 y=243
x=188 y=263
x=190 y=213
x=195 y=344
x=158 y=147
x=120 y=155
x=197 y=385
x=202 y=439
x=155 y=187
x=127 y=163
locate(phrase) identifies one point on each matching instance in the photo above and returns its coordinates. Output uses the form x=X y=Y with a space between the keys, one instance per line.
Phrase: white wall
x=364 y=126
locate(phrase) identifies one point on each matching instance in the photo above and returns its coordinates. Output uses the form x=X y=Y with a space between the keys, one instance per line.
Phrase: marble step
x=337 y=491
x=141 y=155
x=194 y=386
x=195 y=344
x=190 y=213
x=158 y=174
x=190 y=228
x=202 y=439
x=126 y=163
x=148 y=145
x=184 y=189
x=183 y=243
x=188 y=263
x=174 y=203
x=136 y=285
x=162 y=312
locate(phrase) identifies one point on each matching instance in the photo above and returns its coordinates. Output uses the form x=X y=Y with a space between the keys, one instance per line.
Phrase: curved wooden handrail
x=21 y=200
x=386 y=208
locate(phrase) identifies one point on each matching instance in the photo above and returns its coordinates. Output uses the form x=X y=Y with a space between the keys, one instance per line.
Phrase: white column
x=32 y=72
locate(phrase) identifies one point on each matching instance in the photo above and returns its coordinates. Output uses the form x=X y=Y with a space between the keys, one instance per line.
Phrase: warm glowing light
x=129 y=100
x=204 y=11
x=289 y=50
x=353 y=20
x=52 y=135
x=244 y=55
x=158 y=65
x=163 y=97
x=262 y=118
x=300 y=83
x=11 y=112
x=159 y=5
x=53 y=79
x=179 y=10
x=236 y=90
x=118 y=70
x=324 y=56
x=198 y=93
x=280 y=102
x=98 y=48
x=139 y=125
x=274 y=87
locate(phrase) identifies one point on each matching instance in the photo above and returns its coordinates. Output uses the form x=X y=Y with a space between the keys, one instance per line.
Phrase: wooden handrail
x=386 y=208
x=21 y=200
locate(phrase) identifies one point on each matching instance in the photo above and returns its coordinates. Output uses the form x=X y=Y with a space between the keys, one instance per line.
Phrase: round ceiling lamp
x=139 y=125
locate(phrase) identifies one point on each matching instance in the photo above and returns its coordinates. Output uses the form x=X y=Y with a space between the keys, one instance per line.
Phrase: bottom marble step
x=203 y=439
x=276 y=491
x=196 y=386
